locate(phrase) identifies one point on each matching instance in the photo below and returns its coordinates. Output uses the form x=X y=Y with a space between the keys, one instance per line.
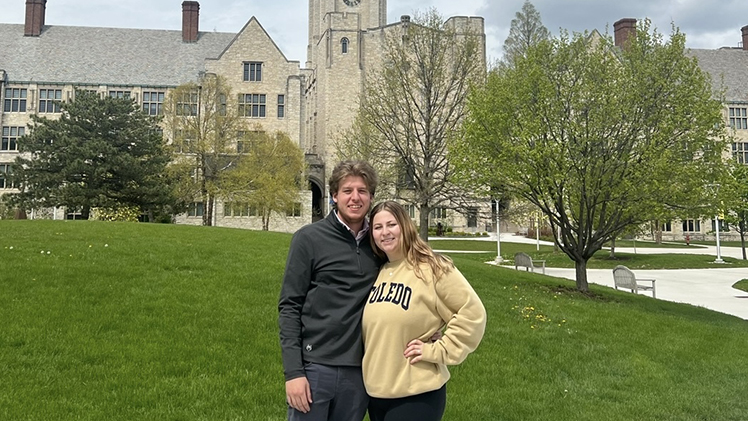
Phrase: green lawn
x=118 y=321
x=741 y=285
x=601 y=259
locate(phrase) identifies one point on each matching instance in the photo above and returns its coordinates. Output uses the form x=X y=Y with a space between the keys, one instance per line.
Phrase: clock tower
x=340 y=35
x=322 y=16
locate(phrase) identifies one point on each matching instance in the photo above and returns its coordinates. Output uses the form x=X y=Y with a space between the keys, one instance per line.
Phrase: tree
x=101 y=152
x=268 y=175
x=205 y=129
x=737 y=202
x=600 y=139
x=526 y=30
x=413 y=106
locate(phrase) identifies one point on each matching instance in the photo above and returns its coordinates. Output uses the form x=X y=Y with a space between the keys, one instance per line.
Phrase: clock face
x=352 y=2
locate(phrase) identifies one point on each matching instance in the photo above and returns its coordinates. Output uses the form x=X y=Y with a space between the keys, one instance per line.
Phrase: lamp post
x=499 y=259
x=719 y=253
x=716 y=187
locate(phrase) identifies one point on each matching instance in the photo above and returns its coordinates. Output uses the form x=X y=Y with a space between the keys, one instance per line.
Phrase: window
x=252 y=71
x=73 y=214
x=187 y=104
x=667 y=226
x=294 y=210
x=472 y=217
x=691 y=225
x=195 y=209
x=15 y=100
x=153 y=102
x=119 y=94
x=281 y=106
x=740 y=152
x=438 y=212
x=222 y=104
x=182 y=141
x=344 y=45
x=236 y=209
x=723 y=226
x=5 y=183
x=411 y=209
x=739 y=118
x=405 y=179
x=252 y=105
x=49 y=100
x=10 y=138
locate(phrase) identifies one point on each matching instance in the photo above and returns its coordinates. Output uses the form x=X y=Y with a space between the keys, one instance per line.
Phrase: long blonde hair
x=415 y=250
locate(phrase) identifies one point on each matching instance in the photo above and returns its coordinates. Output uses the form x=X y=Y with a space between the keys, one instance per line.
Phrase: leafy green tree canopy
x=205 y=126
x=599 y=138
x=268 y=174
x=101 y=152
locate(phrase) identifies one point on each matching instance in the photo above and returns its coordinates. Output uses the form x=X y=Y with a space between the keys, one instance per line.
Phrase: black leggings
x=427 y=406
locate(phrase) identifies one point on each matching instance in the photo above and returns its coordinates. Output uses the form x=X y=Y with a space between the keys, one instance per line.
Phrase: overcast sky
x=706 y=23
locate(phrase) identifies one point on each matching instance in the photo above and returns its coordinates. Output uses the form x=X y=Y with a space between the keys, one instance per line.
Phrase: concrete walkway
x=709 y=288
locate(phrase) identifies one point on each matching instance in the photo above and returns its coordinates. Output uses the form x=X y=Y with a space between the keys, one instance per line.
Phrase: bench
x=623 y=277
x=524 y=260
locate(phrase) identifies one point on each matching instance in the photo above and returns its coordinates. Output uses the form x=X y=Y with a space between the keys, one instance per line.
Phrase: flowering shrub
x=124 y=214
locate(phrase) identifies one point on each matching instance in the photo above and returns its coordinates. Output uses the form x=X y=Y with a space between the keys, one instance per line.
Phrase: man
x=329 y=273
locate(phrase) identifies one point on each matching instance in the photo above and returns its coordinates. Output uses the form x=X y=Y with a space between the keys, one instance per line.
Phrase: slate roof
x=106 y=56
x=728 y=68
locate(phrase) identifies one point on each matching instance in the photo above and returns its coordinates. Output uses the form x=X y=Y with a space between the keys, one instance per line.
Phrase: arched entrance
x=317 y=204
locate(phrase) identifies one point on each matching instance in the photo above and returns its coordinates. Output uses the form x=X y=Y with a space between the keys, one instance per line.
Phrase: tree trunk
x=423 y=222
x=581 y=267
x=265 y=221
x=613 y=248
x=209 y=210
x=86 y=213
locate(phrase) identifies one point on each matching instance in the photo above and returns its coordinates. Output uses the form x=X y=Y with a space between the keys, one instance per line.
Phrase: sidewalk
x=709 y=288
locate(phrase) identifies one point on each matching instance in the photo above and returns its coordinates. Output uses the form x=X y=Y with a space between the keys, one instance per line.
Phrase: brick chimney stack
x=625 y=31
x=35 y=10
x=745 y=37
x=190 y=20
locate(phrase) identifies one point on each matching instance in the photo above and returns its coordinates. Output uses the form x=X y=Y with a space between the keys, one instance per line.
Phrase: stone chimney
x=34 y=17
x=190 y=20
x=745 y=37
x=625 y=31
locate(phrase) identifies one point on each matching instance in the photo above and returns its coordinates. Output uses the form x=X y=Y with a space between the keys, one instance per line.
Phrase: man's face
x=353 y=200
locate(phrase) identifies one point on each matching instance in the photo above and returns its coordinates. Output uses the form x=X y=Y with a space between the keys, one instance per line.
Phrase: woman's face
x=387 y=235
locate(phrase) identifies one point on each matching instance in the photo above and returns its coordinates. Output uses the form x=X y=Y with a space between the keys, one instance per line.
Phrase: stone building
x=41 y=64
x=728 y=69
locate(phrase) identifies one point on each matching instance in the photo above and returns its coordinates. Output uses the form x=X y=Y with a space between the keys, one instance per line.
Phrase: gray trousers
x=338 y=394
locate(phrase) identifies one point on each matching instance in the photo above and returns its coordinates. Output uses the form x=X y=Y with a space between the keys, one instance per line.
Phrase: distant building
x=41 y=65
x=728 y=68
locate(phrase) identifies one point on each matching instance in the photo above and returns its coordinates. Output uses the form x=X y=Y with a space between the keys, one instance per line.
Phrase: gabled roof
x=253 y=20
x=113 y=56
x=728 y=68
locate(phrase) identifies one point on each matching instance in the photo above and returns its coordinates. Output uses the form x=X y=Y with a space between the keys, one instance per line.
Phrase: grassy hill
x=124 y=321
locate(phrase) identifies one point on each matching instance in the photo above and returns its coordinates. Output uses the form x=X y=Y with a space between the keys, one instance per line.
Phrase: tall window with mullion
x=738 y=118
x=252 y=105
x=281 y=106
x=10 y=138
x=187 y=104
x=5 y=182
x=740 y=152
x=15 y=100
x=153 y=102
x=252 y=71
x=49 y=100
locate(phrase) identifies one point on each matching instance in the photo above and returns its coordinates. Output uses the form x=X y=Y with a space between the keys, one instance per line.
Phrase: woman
x=417 y=292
